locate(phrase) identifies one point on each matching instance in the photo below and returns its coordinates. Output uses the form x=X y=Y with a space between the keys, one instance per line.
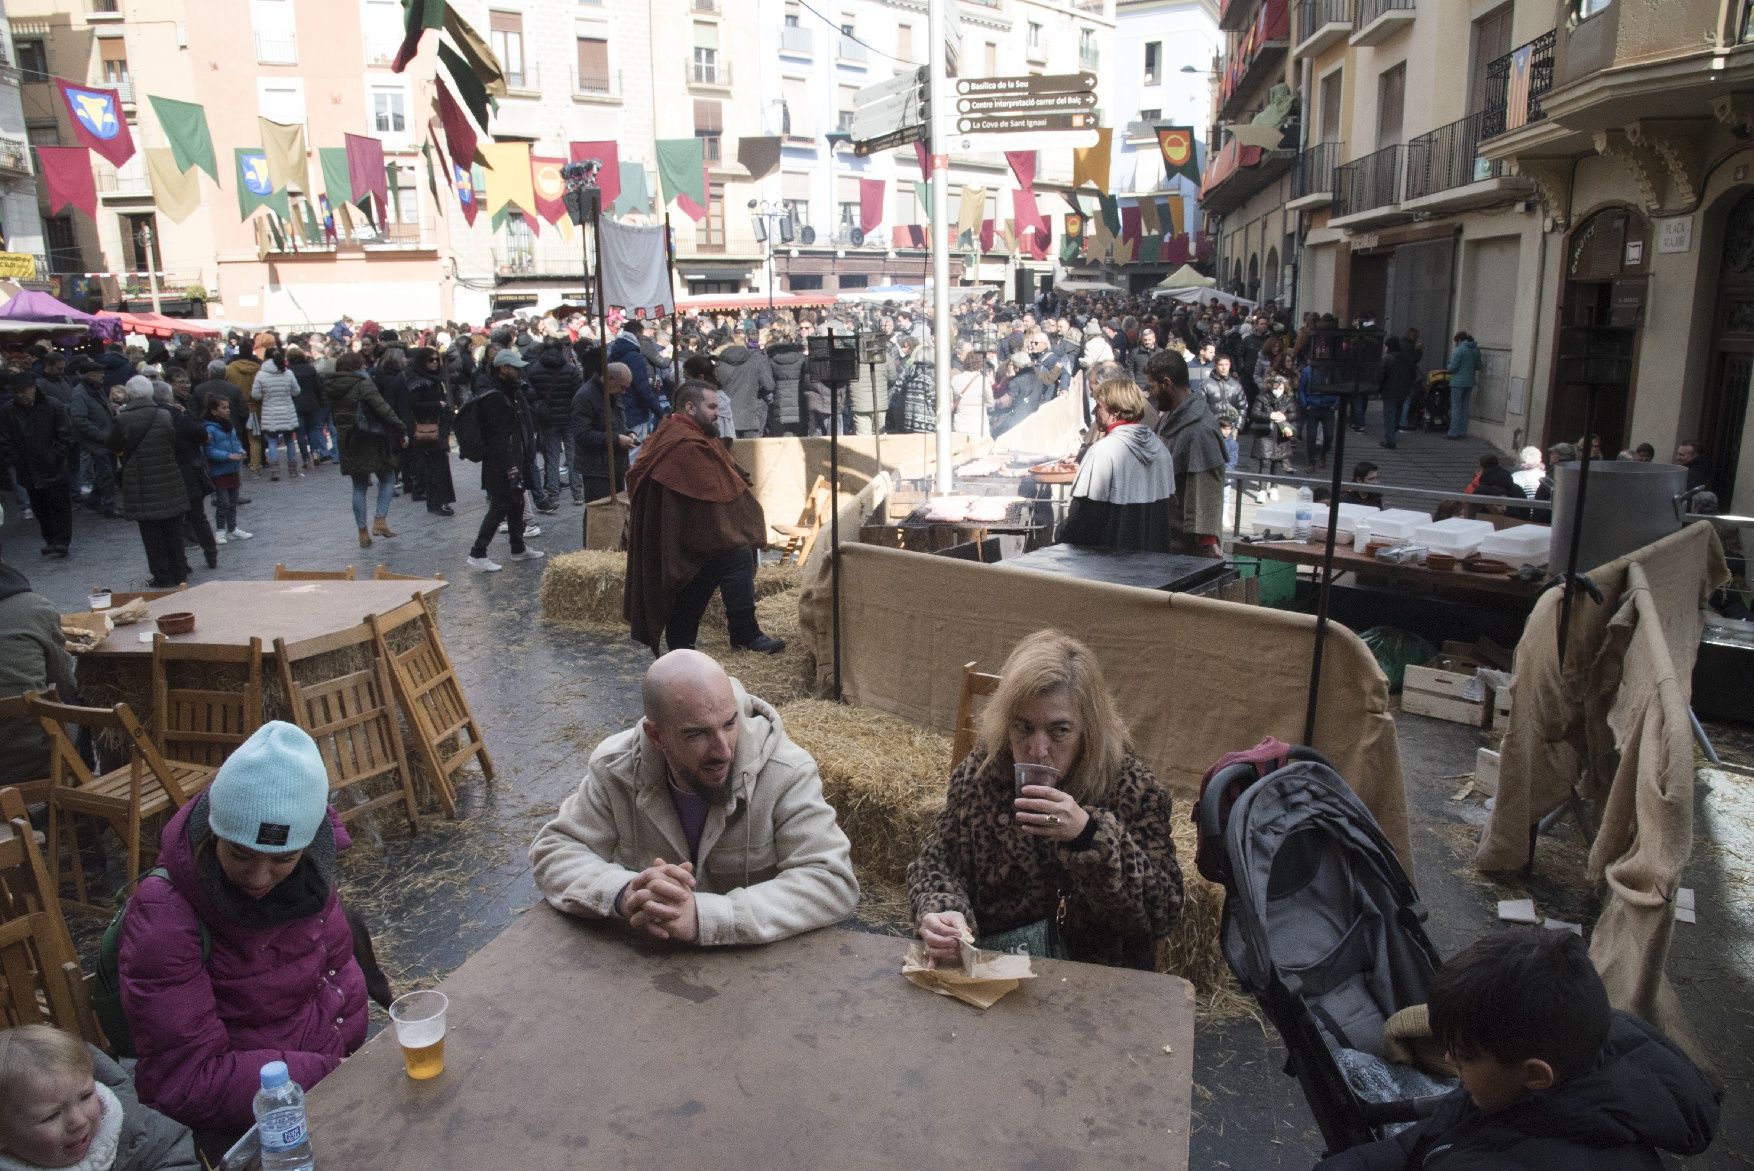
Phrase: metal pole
x=1569 y=587
x=151 y=265
x=939 y=80
x=609 y=437
x=834 y=389
x=1327 y=571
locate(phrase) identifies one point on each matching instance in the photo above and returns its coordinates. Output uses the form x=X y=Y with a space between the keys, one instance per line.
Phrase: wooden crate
x=1486 y=771
x=1436 y=690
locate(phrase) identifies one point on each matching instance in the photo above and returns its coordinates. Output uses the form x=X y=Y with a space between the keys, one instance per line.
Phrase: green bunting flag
x=681 y=168
x=336 y=183
x=255 y=189
x=185 y=128
x=420 y=15
x=468 y=87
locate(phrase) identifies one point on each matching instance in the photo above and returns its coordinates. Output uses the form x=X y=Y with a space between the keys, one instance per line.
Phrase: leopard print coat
x=1123 y=892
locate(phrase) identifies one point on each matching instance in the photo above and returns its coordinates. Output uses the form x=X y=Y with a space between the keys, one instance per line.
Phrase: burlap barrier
x=1195 y=678
x=784 y=469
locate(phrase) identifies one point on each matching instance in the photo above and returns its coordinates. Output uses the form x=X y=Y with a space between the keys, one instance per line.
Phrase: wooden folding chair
x=12 y=707
x=352 y=717
x=432 y=699
x=40 y=978
x=384 y=573
x=202 y=725
x=281 y=573
x=800 y=537
x=123 y=597
x=126 y=798
x=975 y=685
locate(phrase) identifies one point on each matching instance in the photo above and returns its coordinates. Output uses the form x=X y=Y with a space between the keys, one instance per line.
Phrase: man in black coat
x=746 y=377
x=36 y=433
x=92 y=417
x=589 y=435
x=554 y=378
x=508 y=435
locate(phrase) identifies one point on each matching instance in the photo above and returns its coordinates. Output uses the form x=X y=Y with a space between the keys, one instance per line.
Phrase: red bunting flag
x=67 y=178
x=460 y=137
x=694 y=210
x=96 y=114
x=870 y=204
x=607 y=153
x=1023 y=166
x=550 y=187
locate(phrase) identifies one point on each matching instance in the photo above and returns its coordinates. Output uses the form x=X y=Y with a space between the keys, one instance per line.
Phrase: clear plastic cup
x=419 y=1021
x=1035 y=774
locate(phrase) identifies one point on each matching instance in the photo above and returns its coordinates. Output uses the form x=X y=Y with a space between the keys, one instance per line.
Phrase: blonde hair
x=1050 y=663
x=33 y=1051
x=1116 y=390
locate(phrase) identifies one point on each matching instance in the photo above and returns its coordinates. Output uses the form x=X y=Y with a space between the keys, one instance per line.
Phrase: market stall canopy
x=226 y=325
x=1204 y=296
x=30 y=305
x=710 y=301
x=25 y=329
x=158 y=325
x=1185 y=277
x=1086 y=285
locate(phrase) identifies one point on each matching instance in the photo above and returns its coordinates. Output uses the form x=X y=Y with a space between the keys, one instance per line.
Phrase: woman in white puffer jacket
x=275 y=388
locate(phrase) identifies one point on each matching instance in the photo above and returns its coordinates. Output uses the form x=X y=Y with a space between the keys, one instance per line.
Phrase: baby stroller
x=1322 y=927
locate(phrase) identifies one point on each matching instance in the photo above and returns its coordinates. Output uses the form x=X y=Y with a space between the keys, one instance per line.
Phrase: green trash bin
x=1277 y=586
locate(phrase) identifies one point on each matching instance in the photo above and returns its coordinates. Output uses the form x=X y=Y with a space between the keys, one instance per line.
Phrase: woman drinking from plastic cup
x=1081 y=868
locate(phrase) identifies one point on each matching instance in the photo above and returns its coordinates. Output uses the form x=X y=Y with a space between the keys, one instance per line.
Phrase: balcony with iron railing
x=1369 y=187
x=103 y=9
x=797 y=40
x=129 y=181
x=596 y=86
x=277 y=48
x=531 y=258
x=1315 y=181
x=1254 y=59
x=1235 y=173
x=1515 y=86
x=1446 y=172
x=711 y=73
x=1234 y=15
x=381 y=48
x=14 y=154
x=1378 y=20
x=1321 y=23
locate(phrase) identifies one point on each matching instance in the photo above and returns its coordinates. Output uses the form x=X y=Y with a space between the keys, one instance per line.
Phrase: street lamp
x=760 y=212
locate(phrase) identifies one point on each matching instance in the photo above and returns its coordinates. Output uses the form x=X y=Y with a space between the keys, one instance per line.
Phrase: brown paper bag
x=993 y=975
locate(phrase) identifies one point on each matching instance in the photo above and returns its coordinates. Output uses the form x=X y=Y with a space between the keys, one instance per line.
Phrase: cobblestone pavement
x=546 y=694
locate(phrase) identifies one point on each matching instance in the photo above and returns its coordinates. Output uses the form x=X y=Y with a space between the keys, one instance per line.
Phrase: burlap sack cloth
x=1614 y=723
x=1194 y=678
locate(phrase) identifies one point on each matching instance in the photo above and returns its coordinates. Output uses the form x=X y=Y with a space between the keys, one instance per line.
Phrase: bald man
x=702 y=824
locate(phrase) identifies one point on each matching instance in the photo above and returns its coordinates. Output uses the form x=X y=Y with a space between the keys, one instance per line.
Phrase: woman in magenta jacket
x=252 y=859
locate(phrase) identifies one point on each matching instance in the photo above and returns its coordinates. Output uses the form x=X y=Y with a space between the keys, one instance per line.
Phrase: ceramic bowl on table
x=177 y=622
x=1439 y=561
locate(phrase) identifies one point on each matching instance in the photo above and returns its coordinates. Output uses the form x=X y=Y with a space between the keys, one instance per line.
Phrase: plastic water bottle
x=280 y=1121
x=1305 y=512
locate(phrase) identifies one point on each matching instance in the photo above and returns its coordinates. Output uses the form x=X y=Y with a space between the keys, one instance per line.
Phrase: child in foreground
x=63 y=1104
x=1552 y=1078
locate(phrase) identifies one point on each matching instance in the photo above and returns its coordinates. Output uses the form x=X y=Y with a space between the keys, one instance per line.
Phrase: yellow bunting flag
x=972 y=211
x=174 y=192
x=1090 y=164
x=284 y=148
x=508 y=177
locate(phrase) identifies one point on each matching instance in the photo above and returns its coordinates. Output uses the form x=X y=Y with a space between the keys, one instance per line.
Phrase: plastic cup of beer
x=419 y=1020
x=1036 y=774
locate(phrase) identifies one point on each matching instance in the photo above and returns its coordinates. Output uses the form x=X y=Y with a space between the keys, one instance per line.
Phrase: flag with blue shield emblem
x=98 y=120
x=255 y=189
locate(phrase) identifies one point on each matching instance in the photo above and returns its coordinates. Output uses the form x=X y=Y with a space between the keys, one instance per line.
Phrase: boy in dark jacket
x=1552 y=1078
x=508 y=434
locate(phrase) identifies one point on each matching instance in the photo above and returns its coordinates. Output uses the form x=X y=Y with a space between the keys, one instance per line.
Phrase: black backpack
x=106 y=985
x=471 y=444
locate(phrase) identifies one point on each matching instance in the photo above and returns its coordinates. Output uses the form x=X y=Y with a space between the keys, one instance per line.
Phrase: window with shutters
x=62 y=243
x=506 y=37
x=33 y=60
x=848 y=98
x=711 y=235
x=1491 y=40
x=1391 y=97
x=709 y=127
x=140 y=241
x=1330 y=101
x=113 y=59
x=593 y=66
x=389 y=111
x=706 y=69
x=795 y=196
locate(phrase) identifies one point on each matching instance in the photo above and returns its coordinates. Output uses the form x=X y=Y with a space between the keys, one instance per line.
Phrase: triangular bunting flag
x=549 y=188
x=463 y=183
x=607 y=153
x=460 y=137
x=969 y=214
x=635 y=196
x=1090 y=164
x=508 y=177
x=759 y=156
x=466 y=85
x=176 y=193
x=694 y=211
x=681 y=169
x=185 y=128
x=420 y=15
x=483 y=65
x=96 y=114
x=67 y=179
x=1176 y=143
x=284 y=147
x=1148 y=217
x=365 y=173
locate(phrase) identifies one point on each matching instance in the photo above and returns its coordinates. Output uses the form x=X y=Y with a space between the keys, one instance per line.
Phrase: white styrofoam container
x=1518 y=545
x=1395 y=526
x=1281 y=517
x=1456 y=536
x=1349 y=514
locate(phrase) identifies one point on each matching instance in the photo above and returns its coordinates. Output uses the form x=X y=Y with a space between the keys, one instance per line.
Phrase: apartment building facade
x=21 y=229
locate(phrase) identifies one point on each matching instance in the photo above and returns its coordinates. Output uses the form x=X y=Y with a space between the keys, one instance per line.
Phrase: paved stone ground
x=546 y=695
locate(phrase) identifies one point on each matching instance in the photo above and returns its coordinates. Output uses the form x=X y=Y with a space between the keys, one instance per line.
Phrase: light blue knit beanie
x=270 y=794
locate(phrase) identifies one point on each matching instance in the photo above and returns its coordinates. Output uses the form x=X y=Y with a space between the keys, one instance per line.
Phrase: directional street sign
x=901 y=137
x=1053 y=83
x=1028 y=103
x=911 y=82
x=1023 y=123
x=906 y=109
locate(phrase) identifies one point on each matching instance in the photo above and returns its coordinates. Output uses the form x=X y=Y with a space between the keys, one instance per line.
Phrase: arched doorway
x=1236 y=285
x=1606 y=276
x=1724 y=412
x=1271 y=289
x=1253 y=291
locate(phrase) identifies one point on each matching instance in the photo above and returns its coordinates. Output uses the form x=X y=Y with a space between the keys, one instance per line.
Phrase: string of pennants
x=274 y=189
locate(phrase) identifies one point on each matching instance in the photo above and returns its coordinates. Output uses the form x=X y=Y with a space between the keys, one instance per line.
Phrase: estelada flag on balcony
x=176 y=193
x=1179 y=157
x=67 y=179
x=549 y=187
x=185 y=128
x=255 y=188
x=1516 y=96
x=97 y=120
x=607 y=153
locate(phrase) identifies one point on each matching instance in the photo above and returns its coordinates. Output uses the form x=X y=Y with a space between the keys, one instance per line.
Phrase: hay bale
x=884 y=776
x=587 y=586
x=1192 y=950
x=781 y=678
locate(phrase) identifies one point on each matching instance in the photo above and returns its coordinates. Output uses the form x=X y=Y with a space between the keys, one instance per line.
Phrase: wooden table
x=1175 y=572
x=1498 y=587
x=572 y=1046
x=232 y=612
